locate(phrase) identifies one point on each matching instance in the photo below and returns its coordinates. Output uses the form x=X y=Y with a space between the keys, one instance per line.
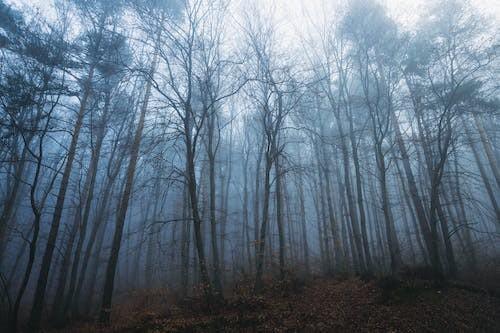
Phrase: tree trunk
x=246 y=226
x=324 y=218
x=123 y=205
x=185 y=243
x=256 y=201
x=392 y=239
x=98 y=221
x=95 y=265
x=279 y=216
x=263 y=227
x=225 y=206
x=485 y=140
x=353 y=217
x=359 y=189
x=484 y=176
x=339 y=253
x=415 y=197
x=303 y=222
x=37 y=308
x=192 y=187
x=406 y=198
x=63 y=275
x=88 y=193
x=463 y=219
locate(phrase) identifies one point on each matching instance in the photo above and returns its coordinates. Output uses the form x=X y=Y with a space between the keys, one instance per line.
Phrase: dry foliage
x=408 y=304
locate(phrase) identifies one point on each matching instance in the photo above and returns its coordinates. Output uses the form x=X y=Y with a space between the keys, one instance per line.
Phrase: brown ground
x=325 y=305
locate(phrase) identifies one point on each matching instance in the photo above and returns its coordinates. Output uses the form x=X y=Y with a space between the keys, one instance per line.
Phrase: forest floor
x=326 y=305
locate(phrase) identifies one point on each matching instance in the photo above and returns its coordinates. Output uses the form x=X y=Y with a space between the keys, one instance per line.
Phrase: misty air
x=249 y=166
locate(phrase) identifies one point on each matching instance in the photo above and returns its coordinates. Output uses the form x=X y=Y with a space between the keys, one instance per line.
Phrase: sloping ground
x=351 y=306
x=335 y=306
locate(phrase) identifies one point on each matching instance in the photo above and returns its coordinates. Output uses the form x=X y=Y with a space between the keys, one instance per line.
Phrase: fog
x=192 y=144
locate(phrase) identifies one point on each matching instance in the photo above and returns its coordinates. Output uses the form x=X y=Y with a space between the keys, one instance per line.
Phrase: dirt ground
x=326 y=305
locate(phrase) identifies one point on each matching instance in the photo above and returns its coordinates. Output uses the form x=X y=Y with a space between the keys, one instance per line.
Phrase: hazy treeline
x=181 y=143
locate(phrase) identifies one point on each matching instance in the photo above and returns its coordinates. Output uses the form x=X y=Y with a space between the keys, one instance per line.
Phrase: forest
x=167 y=162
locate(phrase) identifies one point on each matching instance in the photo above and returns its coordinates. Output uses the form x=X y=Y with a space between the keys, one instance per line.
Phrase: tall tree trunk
x=225 y=204
x=185 y=243
x=324 y=219
x=95 y=264
x=27 y=273
x=19 y=256
x=123 y=204
x=256 y=200
x=290 y=232
x=339 y=253
x=151 y=250
x=404 y=194
x=484 y=176
x=350 y=200
x=434 y=176
x=360 y=201
x=211 y=151
x=263 y=227
x=463 y=218
x=13 y=191
x=485 y=140
x=37 y=308
x=279 y=216
x=63 y=275
x=376 y=216
x=393 y=243
x=406 y=225
x=10 y=203
x=88 y=193
x=423 y=221
x=192 y=188
x=435 y=173
x=98 y=221
x=303 y=222
x=246 y=226
x=37 y=211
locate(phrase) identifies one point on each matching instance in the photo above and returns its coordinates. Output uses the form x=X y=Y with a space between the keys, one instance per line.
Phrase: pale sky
x=294 y=16
x=294 y=8
x=402 y=11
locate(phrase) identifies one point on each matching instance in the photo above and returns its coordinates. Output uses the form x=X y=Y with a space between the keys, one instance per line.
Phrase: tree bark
x=485 y=140
x=279 y=216
x=88 y=193
x=37 y=308
x=123 y=204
